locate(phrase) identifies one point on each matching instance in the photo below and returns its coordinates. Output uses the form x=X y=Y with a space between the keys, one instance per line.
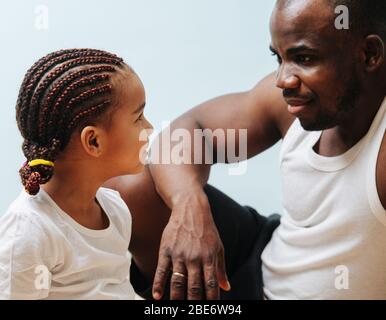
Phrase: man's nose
x=285 y=79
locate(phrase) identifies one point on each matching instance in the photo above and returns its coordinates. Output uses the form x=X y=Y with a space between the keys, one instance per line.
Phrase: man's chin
x=315 y=125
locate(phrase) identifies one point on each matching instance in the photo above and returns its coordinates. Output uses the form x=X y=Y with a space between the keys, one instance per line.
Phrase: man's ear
x=373 y=52
x=92 y=140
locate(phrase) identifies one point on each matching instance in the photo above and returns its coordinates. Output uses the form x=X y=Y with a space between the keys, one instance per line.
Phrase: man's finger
x=161 y=275
x=178 y=281
x=211 y=283
x=195 y=290
x=221 y=273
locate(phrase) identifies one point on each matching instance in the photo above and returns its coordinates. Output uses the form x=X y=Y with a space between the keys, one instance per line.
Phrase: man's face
x=317 y=63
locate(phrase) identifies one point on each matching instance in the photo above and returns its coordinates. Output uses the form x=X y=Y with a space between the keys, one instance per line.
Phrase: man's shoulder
x=381 y=172
x=267 y=94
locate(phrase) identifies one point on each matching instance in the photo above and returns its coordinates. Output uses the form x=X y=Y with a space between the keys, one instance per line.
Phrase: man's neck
x=338 y=140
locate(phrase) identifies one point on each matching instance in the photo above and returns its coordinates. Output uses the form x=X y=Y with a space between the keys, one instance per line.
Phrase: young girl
x=80 y=113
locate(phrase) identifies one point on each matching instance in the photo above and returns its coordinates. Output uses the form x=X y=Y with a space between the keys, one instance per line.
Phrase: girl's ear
x=92 y=140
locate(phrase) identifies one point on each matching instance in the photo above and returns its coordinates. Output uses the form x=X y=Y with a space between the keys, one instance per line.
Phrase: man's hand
x=192 y=251
x=190 y=245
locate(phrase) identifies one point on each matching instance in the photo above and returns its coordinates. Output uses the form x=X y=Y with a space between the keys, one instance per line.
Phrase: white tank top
x=331 y=243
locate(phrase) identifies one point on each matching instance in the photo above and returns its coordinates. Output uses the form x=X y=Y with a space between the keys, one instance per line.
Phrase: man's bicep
x=270 y=119
x=237 y=117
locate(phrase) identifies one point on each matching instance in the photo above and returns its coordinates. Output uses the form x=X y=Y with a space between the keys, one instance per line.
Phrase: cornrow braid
x=95 y=109
x=39 y=69
x=62 y=85
x=63 y=104
x=37 y=65
x=84 y=96
x=57 y=73
x=60 y=93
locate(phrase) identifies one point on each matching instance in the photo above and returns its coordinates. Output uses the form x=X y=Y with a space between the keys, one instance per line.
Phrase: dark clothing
x=244 y=234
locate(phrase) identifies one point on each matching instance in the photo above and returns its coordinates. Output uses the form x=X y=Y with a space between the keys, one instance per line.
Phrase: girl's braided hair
x=62 y=92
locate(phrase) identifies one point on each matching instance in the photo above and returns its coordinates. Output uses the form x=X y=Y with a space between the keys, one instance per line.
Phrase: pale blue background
x=185 y=51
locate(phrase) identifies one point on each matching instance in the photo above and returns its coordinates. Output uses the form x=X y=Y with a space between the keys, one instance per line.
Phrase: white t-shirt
x=331 y=243
x=45 y=254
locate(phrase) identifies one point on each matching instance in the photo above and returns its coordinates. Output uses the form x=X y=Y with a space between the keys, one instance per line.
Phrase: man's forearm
x=177 y=182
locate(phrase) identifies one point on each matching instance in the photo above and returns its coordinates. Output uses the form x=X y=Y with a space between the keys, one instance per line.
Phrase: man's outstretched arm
x=190 y=243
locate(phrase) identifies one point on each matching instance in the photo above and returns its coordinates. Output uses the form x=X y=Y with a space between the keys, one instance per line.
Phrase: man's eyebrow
x=295 y=50
x=140 y=108
x=300 y=48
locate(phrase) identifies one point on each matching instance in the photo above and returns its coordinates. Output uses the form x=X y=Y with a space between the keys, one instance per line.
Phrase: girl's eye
x=140 y=117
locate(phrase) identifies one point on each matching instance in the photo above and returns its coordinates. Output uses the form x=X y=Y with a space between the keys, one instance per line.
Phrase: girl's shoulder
x=29 y=222
x=25 y=210
x=33 y=210
x=28 y=246
x=26 y=234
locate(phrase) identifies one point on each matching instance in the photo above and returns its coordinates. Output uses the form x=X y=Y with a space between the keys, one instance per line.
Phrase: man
x=326 y=101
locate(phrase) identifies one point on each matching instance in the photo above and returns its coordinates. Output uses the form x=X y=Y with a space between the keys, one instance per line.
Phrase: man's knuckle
x=178 y=254
x=195 y=290
x=195 y=259
x=157 y=285
x=208 y=259
x=212 y=283
x=178 y=284
x=162 y=272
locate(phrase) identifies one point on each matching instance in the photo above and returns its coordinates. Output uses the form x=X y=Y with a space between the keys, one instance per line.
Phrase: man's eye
x=279 y=61
x=303 y=59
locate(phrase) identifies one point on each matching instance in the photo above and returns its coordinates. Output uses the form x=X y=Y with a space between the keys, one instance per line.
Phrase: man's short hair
x=366 y=16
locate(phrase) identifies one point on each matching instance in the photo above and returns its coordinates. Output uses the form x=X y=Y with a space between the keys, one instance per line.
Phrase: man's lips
x=296 y=106
x=297 y=101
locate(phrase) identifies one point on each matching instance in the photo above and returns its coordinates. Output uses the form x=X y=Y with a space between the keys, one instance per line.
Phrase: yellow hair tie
x=43 y=162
